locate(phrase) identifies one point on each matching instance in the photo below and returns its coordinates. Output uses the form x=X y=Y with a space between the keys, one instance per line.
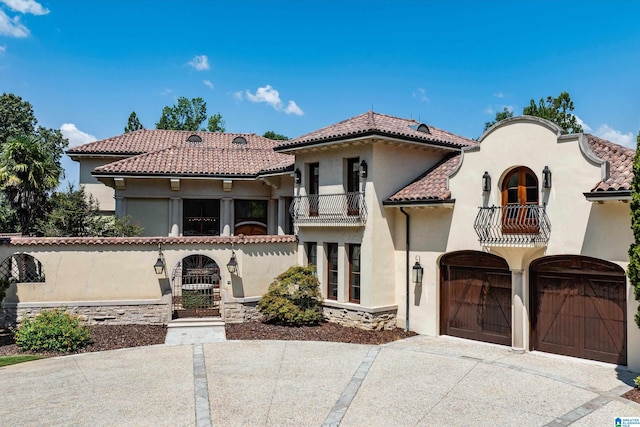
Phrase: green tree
x=216 y=123
x=276 y=136
x=189 y=115
x=633 y=270
x=500 y=115
x=557 y=110
x=16 y=117
x=133 y=123
x=74 y=213
x=28 y=173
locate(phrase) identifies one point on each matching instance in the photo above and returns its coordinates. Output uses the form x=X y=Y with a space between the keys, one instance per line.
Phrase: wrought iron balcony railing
x=526 y=225
x=329 y=209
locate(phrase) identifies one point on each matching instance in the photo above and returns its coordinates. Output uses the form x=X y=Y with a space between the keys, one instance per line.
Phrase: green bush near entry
x=52 y=330
x=293 y=298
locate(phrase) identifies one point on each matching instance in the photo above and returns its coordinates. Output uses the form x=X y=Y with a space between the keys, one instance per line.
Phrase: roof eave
x=362 y=136
x=602 y=196
x=168 y=176
x=448 y=203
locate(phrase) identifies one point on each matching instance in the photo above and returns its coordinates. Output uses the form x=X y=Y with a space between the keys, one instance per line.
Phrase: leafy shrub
x=637 y=381
x=52 y=330
x=293 y=298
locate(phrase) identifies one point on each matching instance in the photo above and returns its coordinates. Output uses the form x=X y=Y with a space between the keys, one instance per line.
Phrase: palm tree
x=28 y=172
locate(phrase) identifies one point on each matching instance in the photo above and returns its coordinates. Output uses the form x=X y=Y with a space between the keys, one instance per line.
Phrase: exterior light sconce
x=546 y=177
x=232 y=265
x=486 y=182
x=364 y=169
x=418 y=271
x=159 y=265
x=297 y=176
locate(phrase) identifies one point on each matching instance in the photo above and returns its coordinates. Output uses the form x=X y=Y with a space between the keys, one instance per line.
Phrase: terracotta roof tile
x=209 y=240
x=201 y=160
x=148 y=140
x=620 y=164
x=375 y=123
x=432 y=185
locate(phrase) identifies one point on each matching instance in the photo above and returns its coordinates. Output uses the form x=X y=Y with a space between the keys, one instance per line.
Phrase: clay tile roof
x=148 y=140
x=371 y=123
x=620 y=164
x=209 y=240
x=166 y=152
x=432 y=185
x=197 y=160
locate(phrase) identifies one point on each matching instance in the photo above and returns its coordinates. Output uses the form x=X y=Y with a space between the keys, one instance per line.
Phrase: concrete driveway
x=418 y=381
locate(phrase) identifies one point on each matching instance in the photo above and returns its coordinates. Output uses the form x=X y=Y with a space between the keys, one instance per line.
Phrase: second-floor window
x=201 y=217
x=313 y=188
x=250 y=217
x=520 y=198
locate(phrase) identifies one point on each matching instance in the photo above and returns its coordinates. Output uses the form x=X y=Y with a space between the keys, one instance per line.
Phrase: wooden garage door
x=475 y=297
x=578 y=308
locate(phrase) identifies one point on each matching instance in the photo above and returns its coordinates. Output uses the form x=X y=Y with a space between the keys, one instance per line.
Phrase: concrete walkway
x=420 y=381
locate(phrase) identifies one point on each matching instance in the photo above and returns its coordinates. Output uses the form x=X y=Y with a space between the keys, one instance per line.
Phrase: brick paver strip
x=200 y=388
x=350 y=391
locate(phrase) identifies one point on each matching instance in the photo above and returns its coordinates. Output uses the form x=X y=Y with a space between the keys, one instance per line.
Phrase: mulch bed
x=633 y=394
x=323 y=332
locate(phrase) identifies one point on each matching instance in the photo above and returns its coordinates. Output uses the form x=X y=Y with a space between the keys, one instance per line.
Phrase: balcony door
x=520 y=198
x=313 y=188
x=353 y=186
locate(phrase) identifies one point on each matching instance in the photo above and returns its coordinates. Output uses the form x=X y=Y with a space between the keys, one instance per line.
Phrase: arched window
x=22 y=268
x=520 y=199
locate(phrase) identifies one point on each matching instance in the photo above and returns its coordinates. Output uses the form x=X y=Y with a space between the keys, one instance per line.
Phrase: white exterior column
x=282 y=216
x=226 y=219
x=175 y=219
x=519 y=324
x=272 y=217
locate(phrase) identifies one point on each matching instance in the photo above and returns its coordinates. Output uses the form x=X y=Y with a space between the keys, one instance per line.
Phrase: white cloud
x=292 y=108
x=12 y=27
x=420 y=94
x=75 y=135
x=166 y=91
x=585 y=126
x=613 y=135
x=208 y=84
x=26 y=6
x=3 y=49
x=200 y=63
x=489 y=110
x=271 y=96
x=238 y=95
x=499 y=95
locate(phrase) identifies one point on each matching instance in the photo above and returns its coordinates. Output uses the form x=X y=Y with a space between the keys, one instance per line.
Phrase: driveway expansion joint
x=201 y=388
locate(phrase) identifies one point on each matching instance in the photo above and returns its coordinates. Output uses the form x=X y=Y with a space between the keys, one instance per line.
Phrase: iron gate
x=196 y=287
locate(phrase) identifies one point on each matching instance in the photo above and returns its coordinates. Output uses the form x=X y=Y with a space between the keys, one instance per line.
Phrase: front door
x=520 y=200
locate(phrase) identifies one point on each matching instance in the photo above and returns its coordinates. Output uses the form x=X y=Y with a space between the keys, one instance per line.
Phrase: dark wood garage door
x=578 y=308
x=475 y=297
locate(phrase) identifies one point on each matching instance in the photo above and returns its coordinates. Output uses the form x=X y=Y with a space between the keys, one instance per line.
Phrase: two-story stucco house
x=518 y=239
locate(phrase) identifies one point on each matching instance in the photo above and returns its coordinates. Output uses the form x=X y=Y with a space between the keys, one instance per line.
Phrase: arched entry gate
x=195 y=284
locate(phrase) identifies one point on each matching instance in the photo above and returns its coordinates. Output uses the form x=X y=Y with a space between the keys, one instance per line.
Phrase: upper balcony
x=344 y=209
x=513 y=225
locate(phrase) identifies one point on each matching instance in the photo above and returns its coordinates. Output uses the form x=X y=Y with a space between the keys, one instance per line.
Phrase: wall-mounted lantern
x=159 y=265
x=486 y=181
x=297 y=176
x=546 y=177
x=232 y=265
x=418 y=271
x=364 y=169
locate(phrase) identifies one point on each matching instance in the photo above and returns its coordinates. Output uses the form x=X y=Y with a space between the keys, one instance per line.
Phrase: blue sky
x=293 y=67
